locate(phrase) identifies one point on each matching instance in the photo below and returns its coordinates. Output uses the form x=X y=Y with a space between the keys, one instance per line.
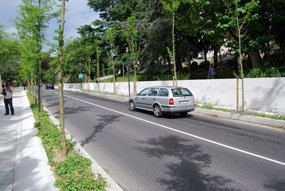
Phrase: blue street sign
x=80 y=76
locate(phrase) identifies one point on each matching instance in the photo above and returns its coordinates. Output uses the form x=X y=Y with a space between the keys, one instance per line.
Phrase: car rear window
x=180 y=92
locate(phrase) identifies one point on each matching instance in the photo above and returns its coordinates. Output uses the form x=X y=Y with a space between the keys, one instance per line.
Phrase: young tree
x=238 y=16
x=172 y=6
x=98 y=54
x=60 y=78
x=31 y=26
x=110 y=35
x=89 y=52
x=131 y=35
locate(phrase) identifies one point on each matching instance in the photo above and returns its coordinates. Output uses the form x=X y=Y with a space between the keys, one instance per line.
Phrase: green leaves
x=131 y=35
x=171 y=5
x=110 y=35
x=9 y=56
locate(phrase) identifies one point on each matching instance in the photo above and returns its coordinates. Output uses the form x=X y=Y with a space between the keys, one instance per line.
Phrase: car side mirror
x=137 y=94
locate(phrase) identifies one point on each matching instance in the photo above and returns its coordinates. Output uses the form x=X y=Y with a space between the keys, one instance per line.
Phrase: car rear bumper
x=173 y=109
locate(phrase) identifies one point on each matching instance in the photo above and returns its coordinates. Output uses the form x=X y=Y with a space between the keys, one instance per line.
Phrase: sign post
x=80 y=76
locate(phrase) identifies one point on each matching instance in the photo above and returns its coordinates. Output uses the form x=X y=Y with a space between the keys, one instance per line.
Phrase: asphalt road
x=143 y=153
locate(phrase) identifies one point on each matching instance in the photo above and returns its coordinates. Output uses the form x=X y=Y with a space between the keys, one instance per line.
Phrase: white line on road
x=184 y=133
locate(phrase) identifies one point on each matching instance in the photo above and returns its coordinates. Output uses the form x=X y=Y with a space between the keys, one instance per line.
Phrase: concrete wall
x=261 y=94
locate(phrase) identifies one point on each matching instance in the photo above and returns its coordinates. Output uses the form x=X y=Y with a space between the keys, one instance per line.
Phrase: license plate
x=184 y=102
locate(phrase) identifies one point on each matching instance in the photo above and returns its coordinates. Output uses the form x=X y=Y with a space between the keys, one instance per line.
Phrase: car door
x=141 y=98
x=163 y=98
x=151 y=98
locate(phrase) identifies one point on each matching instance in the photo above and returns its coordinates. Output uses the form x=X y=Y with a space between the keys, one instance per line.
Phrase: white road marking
x=184 y=133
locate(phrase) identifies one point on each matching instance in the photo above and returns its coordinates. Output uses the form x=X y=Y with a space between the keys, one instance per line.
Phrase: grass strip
x=72 y=172
x=276 y=116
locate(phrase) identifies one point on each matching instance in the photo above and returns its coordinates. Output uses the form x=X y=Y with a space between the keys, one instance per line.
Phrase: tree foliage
x=201 y=27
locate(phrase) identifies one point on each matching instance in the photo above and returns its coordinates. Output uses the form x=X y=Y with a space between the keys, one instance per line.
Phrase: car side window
x=153 y=92
x=144 y=92
x=163 y=92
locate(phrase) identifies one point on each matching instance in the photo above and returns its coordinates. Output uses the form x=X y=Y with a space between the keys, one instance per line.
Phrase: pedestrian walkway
x=23 y=161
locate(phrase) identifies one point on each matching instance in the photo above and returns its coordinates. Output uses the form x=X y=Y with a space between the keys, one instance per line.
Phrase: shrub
x=272 y=72
x=204 y=64
x=194 y=66
x=255 y=73
x=264 y=73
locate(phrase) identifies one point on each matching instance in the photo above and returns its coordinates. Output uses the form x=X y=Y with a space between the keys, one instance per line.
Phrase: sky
x=78 y=14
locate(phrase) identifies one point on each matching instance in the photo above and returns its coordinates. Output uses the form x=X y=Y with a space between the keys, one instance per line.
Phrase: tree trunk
x=221 y=57
x=35 y=91
x=103 y=70
x=60 y=86
x=89 y=72
x=113 y=67
x=39 y=61
x=254 y=58
x=89 y=69
x=135 y=80
x=31 y=87
x=282 y=52
x=173 y=48
x=216 y=50
x=240 y=63
x=205 y=50
x=98 y=72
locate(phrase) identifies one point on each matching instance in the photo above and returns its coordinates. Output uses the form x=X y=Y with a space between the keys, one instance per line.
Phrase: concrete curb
x=96 y=168
x=213 y=113
x=245 y=118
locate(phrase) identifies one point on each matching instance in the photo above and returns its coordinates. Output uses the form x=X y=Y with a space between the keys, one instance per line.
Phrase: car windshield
x=180 y=92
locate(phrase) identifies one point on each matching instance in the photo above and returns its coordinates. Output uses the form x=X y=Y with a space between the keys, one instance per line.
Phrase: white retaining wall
x=261 y=94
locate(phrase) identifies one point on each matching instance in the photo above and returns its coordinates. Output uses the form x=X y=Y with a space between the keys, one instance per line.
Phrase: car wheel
x=132 y=106
x=183 y=114
x=157 y=111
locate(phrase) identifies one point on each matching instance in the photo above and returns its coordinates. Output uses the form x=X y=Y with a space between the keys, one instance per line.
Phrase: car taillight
x=171 y=102
x=193 y=99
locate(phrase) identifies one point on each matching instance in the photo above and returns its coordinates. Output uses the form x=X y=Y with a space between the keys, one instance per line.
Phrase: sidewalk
x=23 y=161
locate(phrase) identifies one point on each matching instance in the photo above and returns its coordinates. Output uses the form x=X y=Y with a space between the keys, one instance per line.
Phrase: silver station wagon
x=164 y=99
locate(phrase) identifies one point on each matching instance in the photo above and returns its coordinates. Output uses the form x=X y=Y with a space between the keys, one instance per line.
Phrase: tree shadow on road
x=103 y=121
x=189 y=170
x=276 y=184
